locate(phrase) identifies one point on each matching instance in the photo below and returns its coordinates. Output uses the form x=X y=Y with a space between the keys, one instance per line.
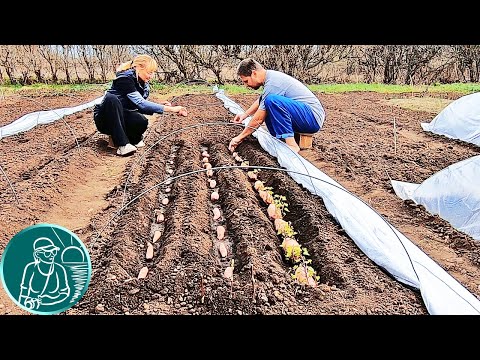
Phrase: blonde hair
x=144 y=61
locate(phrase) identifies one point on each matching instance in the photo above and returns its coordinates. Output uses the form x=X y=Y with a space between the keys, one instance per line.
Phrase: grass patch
x=8 y=89
x=396 y=89
x=427 y=104
x=234 y=89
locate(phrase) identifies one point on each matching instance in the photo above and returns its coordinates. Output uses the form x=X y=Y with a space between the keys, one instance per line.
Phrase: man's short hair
x=246 y=67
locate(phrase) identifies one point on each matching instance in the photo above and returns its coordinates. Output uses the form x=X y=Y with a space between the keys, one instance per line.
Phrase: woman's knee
x=110 y=99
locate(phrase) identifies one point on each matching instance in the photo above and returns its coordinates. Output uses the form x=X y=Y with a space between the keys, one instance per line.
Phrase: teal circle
x=46 y=262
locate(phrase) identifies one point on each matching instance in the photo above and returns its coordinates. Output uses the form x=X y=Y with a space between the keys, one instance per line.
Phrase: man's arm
x=251 y=110
x=257 y=120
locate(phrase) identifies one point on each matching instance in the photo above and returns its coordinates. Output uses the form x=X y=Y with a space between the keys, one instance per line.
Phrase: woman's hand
x=181 y=110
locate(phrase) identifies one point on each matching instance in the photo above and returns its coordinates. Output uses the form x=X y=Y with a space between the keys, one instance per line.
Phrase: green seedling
x=281 y=203
x=292 y=250
x=305 y=275
x=287 y=230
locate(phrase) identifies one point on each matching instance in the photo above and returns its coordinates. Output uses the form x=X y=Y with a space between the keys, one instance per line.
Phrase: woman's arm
x=145 y=106
x=150 y=107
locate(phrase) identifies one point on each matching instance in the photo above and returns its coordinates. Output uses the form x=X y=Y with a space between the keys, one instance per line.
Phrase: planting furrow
x=119 y=254
x=188 y=273
x=329 y=254
x=219 y=234
x=40 y=147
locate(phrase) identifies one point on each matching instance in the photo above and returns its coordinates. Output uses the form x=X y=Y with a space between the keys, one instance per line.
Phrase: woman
x=121 y=114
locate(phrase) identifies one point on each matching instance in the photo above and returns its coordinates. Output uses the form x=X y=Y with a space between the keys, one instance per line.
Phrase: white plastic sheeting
x=459 y=120
x=378 y=239
x=453 y=193
x=33 y=119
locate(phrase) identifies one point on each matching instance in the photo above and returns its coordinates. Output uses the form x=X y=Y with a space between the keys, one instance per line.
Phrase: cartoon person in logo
x=44 y=281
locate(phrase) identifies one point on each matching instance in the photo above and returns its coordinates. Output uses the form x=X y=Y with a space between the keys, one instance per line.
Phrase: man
x=286 y=105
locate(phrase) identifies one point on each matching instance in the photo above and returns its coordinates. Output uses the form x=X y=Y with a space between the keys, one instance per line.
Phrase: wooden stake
x=395 y=136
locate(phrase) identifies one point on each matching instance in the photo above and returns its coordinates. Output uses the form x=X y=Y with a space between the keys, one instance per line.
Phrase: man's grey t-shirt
x=282 y=84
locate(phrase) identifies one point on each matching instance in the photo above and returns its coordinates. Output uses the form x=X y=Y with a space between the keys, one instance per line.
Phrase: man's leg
x=292 y=144
x=286 y=117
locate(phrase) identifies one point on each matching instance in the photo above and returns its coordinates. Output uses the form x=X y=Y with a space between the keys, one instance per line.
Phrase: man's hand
x=239 y=118
x=234 y=143
x=168 y=103
x=32 y=303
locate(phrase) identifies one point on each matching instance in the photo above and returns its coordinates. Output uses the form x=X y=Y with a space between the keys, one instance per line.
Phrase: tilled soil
x=112 y=204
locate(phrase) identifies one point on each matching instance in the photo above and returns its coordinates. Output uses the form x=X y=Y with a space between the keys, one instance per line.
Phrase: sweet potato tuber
x=228 y=273
x=274 y=212
x=266 y=196
x=305 y=275
x=220 y=232
x=280 y=225
x=143 y=273
x=252 y=175
x=160 y=218
x=156 y=236
x=259 y=185
x=149 y=254
x=222 y=249
x=216 y=213
x=214 y=196
x=292 y=249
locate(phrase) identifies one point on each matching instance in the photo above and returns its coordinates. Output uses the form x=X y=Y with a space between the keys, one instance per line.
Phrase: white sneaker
x=125 y=150
x=140 y=144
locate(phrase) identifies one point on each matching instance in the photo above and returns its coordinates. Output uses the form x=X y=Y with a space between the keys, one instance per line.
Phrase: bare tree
x=468 y=57
x=389 y=64
x=119 y=54
x=179 y=65
x=304 y=62
x=213 y=57
x=101 y=54
x=363 y=61
x=65 y=52
x=7 y=61
x=51 y=55
x=32 y=63
x=417 y=62
x=86 y=59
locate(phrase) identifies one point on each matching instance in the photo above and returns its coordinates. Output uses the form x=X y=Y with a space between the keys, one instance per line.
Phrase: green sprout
x=280 y=203
x=287 y=231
